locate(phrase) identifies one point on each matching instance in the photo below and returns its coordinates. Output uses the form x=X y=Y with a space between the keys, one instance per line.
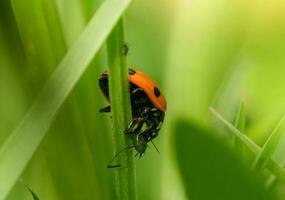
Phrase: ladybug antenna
x=155 y=147
x=117 y=154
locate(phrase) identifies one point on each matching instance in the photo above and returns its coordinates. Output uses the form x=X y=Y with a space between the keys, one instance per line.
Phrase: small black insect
x=125 y=49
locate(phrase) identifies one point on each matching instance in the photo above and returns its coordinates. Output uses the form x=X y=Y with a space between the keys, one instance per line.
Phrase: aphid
x=148 y=108
x=125 y=49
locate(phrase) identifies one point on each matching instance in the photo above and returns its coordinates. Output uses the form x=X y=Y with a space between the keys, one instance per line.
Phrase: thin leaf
x=72 y=19
x=279 y=157
x=240 y=125
x=249 y=144
x=41 y=39
x=20 y=146
x=269 y=147
x=240 y=118
x=34 y=195
x=121 y=112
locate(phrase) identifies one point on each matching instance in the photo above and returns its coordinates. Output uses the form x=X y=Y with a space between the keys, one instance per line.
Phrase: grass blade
x=278 y=156
x=249 y=144
x=34 y=195
x=240 y=118
x=121 y=112
x=240 y=125
x=200 y=155
x=20 y=146
x=269 y=147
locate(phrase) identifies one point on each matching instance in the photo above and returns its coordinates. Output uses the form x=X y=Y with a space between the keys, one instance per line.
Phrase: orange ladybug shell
x=149 y=87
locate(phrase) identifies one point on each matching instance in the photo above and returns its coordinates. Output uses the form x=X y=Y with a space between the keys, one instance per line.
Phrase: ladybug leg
x=107 y=109
x=135 y=125
x=137 y=92
x=149 y=133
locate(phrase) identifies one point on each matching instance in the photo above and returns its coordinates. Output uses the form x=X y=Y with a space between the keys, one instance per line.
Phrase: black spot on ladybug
x=156 y=92
x=132 y=72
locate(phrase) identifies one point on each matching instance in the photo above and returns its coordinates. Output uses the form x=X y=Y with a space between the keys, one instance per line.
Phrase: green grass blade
x=269 y=147
x=249 y=144
x=121 y=113
x=240 y=118
x=34 y=195
x=71 y=18
x=240 y=125
x=20 y=146
x=278 y=156
x=209 y=169
x=42 y=39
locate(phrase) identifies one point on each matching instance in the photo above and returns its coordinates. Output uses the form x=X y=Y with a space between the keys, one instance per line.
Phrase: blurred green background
x=201 y=53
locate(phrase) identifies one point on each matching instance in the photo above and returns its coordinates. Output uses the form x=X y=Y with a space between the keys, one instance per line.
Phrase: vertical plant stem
x=121 y=113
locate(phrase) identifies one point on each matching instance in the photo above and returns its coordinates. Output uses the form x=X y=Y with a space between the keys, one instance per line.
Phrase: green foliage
x=34 y=195
x=200 y=53
x=269 y=147
x=254 y=148
x=24 y=140
x=241 y=117
x=120 y=106
x=240 y=125
x=209 y=169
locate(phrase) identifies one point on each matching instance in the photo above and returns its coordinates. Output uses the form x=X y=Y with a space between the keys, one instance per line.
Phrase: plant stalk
x=240 y=125
x=124 y=176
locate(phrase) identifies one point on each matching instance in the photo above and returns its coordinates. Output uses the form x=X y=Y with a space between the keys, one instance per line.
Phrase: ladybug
x=148 y=108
